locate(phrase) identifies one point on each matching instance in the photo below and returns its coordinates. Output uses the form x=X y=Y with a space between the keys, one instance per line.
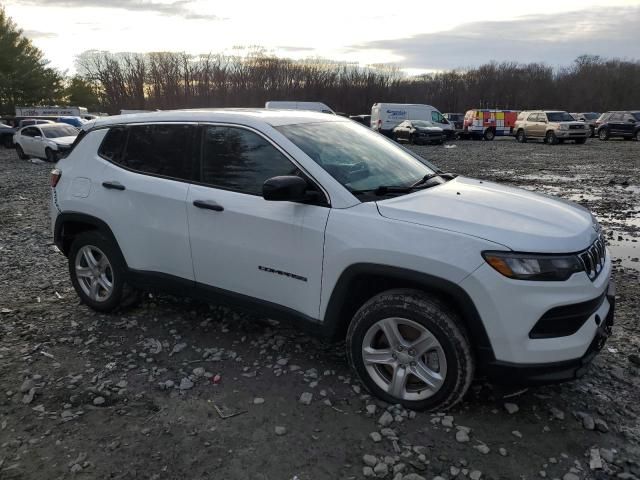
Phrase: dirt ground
x=136 y=395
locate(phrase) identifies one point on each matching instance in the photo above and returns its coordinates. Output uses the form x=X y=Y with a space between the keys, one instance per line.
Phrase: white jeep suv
x=430 y=277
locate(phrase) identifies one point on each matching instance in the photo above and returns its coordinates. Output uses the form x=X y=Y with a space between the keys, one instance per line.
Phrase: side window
x=30 y=132
x=437 y=117
x=112 y=144
x=616 y=117
x=628 y=117
x=240 y=160
x=160 y=149
x=533 y=117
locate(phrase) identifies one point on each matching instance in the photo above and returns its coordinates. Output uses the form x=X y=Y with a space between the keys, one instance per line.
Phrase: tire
x=593 y=132
x=637 y=135
x=111 y=289
x=603 y=134
x=20 y=152
x=581 y=141
x=521 y=137
x=51 y=156
x=551 y=138
x=418 y=315
x=489 y=134
x=411 y=139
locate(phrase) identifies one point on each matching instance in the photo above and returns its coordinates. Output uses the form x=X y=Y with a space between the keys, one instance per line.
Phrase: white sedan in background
x=48 y=141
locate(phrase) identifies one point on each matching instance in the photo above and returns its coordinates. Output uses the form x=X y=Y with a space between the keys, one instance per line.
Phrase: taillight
x=55 y=177
x=379 y=123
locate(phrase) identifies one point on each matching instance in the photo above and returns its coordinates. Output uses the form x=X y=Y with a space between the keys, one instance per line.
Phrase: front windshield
x=591 y=116
x=422 y=123
x=559 y=117
x=59 y=131
x=355 y=156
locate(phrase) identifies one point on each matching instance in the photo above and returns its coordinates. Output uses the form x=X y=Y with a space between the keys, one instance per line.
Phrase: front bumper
x=506 y=373
x=578 y=133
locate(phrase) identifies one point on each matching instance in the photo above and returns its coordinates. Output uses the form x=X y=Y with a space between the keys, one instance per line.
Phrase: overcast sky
x=417 y=35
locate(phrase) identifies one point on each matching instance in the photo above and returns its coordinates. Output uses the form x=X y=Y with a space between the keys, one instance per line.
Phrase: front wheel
x=637 y=135
x=410 y=348
x=52 y=157
x=521 y=137
x=551 y=138
x=489 y=134
x=603 y=134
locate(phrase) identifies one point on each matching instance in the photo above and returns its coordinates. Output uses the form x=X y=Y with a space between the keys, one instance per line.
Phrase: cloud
x=554 y=39
x=177 y=8
x=37 y=34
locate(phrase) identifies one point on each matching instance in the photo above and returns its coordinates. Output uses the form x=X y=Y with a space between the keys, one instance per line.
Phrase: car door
x=531 y=125
x=628 y=125
x=142 y=193
x=241 y=243
x=37 y=143
x=615 y=124
x=27 y=140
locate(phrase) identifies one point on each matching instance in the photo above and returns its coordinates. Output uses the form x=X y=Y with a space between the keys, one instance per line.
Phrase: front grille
x=593 y=258
x=576 y=127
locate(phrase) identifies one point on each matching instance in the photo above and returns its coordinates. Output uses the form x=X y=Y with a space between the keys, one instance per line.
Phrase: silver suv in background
x=551 y=126
x=589 y=118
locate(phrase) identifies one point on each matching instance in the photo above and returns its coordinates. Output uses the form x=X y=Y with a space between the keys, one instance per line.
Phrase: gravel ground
x=142 y=394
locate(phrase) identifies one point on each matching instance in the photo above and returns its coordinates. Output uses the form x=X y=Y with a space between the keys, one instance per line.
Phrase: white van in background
x=386 y=116
x=286 y=105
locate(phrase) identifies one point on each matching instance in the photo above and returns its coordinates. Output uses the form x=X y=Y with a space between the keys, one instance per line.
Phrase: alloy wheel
x=94 y=273
x=404 y=359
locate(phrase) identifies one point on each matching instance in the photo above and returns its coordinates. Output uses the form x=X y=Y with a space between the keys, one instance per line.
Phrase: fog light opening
x=598 y=320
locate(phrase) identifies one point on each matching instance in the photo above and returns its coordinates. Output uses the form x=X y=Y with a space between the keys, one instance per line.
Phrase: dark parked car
x=363 y=119
x=625 y=124
x=419 y=132
x=457 y=120
x=589 y=118
x=6 y=135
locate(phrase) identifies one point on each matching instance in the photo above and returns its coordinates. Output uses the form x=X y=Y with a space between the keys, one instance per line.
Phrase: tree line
x=109 y=82
x=168 y=80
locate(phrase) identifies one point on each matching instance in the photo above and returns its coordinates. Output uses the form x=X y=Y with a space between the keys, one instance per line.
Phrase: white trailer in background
x=55 y=111
x=286 y=105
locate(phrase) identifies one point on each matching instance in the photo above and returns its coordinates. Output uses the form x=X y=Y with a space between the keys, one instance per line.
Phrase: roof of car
x=248 y=116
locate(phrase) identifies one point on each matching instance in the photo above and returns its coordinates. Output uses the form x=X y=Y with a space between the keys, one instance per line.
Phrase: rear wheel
x=20 y=152
x=98 y=272
x=637 y=136
x=409 y=348
x=489 y=134
x=551 y=138
x=521 y=137
x=411 y=139
x=603 y=134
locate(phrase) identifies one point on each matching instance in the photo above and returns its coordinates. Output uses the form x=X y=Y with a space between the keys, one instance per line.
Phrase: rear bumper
x=507 y=373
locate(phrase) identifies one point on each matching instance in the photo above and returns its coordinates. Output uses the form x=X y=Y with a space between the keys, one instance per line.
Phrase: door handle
x=113 y=185
x=208 y=205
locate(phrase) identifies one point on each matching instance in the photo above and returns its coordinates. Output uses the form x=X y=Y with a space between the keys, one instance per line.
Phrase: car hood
x=64 y=140
x=518 y=219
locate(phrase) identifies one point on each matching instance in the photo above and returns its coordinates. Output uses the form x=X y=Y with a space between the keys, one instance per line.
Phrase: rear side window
x=113 y=144
x=240 y=160
x=159 y=149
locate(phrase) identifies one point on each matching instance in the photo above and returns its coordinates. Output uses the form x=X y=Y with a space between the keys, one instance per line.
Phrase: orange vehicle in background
x=488 y=123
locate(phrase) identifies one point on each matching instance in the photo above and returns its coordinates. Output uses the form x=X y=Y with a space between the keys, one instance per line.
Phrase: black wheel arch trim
x=335 y=325
x=77 y=217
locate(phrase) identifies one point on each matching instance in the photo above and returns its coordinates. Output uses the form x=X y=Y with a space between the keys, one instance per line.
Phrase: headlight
x=525 y=266
x=564 y=126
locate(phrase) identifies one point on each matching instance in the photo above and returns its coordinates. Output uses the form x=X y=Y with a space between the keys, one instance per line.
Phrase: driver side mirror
x=287 y=188
x=631 y=120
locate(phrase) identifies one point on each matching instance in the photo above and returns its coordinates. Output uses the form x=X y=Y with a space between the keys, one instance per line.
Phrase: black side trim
x=60 y=234
x=162 y=282
x=565 y=320
x=336 y=325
